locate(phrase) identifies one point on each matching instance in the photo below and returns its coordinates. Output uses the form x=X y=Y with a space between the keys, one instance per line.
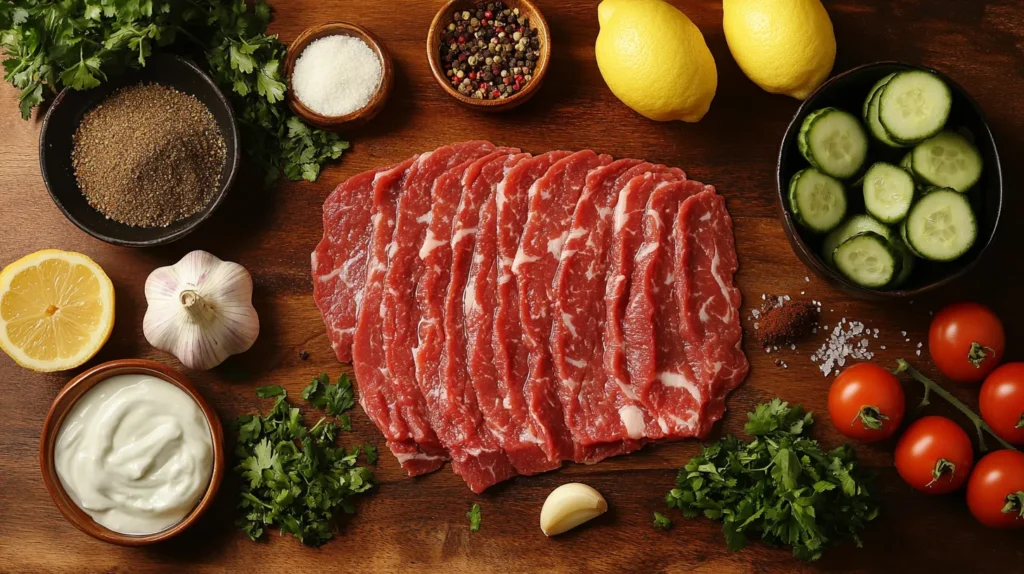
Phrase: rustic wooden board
x=413 y=525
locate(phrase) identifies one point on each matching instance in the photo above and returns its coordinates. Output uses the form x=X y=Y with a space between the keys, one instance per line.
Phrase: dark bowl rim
x=234 y=157
x=805 y=253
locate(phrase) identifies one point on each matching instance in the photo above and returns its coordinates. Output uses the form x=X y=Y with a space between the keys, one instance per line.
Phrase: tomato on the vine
x=866 y=402
x=934 y=455
x=1002 y=402
x=966 y=341
x=995 y=493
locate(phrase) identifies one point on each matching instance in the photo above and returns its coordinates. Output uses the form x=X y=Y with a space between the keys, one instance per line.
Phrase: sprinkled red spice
x=788 y=323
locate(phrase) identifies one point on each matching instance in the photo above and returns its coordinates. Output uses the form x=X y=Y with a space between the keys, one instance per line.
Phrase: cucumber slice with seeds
x=888 y=192
x=868 y=260
x=941 y=225
x=834 y=142
x=947 y=160
x=849 y=228
x=818 y=202
x=914 y=105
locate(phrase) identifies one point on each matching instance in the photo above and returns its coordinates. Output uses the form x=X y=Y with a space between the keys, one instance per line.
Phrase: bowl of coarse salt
x=339 y=75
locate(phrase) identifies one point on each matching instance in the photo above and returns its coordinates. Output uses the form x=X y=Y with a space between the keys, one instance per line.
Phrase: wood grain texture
x=420 y=525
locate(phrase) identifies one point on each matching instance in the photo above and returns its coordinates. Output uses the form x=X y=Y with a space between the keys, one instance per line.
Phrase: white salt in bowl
x=380 y=92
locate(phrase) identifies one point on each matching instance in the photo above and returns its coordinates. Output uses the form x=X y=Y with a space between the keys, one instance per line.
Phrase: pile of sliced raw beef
x=508 y=312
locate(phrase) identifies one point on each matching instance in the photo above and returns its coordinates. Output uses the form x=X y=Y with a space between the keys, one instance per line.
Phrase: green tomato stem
x=930 y=385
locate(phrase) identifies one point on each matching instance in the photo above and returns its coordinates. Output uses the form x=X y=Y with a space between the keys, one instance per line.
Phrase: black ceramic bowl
x=64 y=116
x=847 y=91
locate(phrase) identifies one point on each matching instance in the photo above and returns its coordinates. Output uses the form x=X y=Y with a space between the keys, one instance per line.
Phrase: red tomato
x=866 y=402
x=966 y=341
x=995 y=493
x=934 y=455
x=1002 y=402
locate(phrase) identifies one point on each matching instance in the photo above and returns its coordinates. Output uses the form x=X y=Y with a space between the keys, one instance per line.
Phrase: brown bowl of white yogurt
x=131 y=452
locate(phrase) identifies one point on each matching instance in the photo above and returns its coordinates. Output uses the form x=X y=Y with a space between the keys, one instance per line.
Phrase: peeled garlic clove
x=570 y=505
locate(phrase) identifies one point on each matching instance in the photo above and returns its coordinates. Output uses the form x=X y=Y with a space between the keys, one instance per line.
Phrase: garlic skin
x=200 y=310
x=570 y=505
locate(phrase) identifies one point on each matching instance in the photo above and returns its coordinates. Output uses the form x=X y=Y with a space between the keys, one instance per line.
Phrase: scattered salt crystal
x=756 y=313
x=883 y=347
x=919 y=345
x=807 y=279
x=336 y=75
x=918 y=352
x=802 y=292
x=903 y=333
x=908 y=340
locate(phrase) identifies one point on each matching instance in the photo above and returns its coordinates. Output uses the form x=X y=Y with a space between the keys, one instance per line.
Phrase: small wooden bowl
x=380 y=96
x=62 y=405
x=537 y=22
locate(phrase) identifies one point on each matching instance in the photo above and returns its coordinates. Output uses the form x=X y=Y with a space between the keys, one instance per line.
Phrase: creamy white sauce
x=135 y=453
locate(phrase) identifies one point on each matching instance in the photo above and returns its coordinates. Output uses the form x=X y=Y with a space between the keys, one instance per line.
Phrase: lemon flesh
x=655 y=60
x=56 y=310
x=784 y=46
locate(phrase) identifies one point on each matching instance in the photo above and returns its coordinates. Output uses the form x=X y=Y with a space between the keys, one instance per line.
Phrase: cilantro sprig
x=781 y=485
x=294 y=477
x=80 y=43
x=474 y=517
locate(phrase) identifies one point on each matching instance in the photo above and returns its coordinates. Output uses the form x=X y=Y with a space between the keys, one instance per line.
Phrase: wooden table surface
x=413 y=525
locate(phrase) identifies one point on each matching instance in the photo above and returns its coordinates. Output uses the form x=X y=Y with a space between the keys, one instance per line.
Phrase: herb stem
x=929 y=386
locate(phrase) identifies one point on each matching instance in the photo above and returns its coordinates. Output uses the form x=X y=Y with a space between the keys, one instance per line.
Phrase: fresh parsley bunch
x=295 y=477
x=50 y=44
x=781 y=485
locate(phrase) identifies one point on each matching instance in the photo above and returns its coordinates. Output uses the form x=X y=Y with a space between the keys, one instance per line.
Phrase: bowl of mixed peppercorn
x=490 y=56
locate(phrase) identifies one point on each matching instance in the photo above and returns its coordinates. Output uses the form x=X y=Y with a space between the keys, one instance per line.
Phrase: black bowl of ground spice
x=143 y=159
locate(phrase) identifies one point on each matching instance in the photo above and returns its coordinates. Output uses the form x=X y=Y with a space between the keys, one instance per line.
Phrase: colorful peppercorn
x=491 y=52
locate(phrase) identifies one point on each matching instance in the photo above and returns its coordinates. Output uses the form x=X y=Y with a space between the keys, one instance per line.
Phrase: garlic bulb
x=200 y=310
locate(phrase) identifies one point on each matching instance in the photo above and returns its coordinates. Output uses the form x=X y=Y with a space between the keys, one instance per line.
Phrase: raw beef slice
x=595 y=408
x=626 y=237
x=452 y=401
x=399 y=314
x=710 y=301
x=552 y=202
x=376 y=394
x=511 y=360
x=659 y=368
x=467 y=324
x=339 y=260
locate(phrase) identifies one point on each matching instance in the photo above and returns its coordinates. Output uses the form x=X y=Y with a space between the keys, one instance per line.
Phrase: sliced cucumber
x=818 y=202
x=876 y=88
x=875 y=126
x=914 y=105
x=908 y=259
x=947 y=160
x=834 y=142
x=941 y=225
x=888 y=192
x=907 y=162
x=903 y=238
x=868 y=260
x=849 y=228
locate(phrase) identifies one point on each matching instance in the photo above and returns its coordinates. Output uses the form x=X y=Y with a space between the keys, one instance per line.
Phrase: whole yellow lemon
x=785 y=46
x=655 y=60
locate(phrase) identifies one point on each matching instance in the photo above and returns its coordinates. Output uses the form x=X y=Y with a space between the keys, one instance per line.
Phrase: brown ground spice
x=788 y=323
x=148 y=155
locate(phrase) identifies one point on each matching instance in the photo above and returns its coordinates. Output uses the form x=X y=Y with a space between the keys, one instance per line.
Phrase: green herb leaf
x=474 y=518
x=334 y=398
x=661 y=521
x=271 y=391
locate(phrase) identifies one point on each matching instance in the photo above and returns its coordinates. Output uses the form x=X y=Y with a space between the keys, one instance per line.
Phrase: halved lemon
x=56 y=310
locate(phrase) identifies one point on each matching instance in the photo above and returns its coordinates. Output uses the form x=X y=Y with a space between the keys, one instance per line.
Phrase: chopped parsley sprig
x=781 y=486
x=294 y=477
